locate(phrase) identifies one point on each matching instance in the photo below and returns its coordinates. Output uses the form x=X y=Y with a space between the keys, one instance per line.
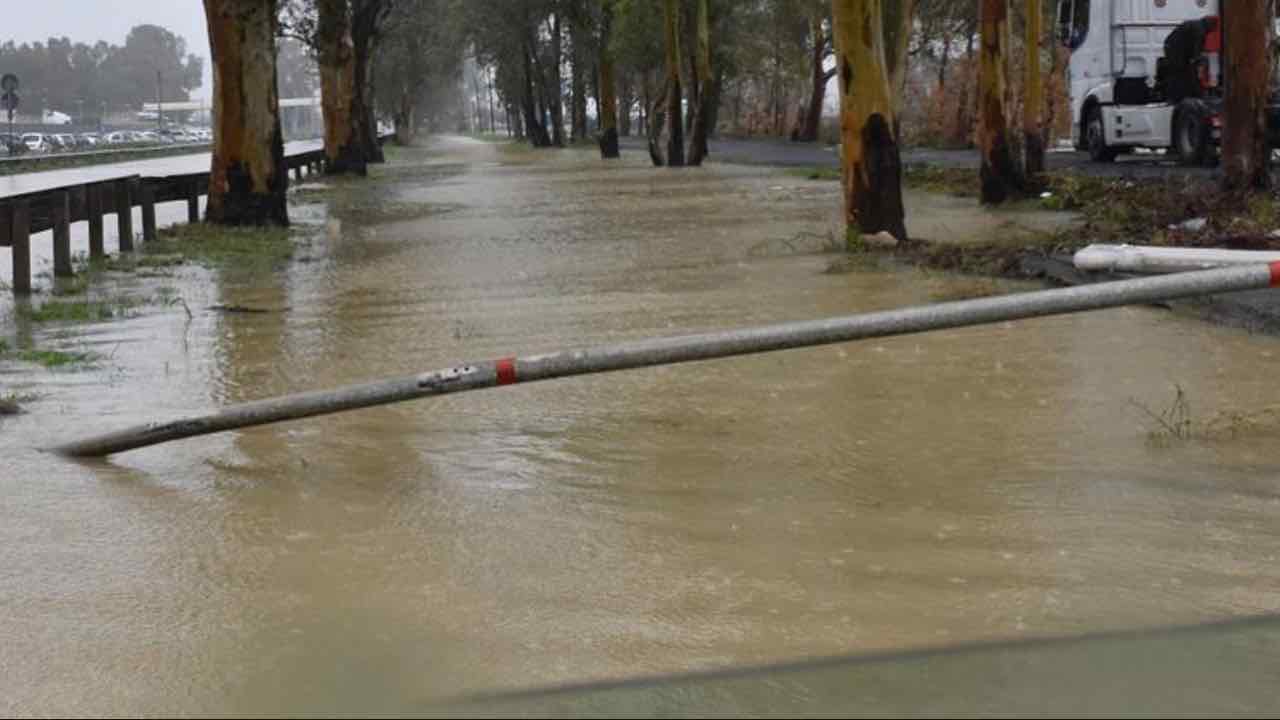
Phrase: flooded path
x=982 y=484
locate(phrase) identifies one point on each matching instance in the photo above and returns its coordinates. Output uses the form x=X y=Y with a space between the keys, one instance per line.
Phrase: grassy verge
x=219 y=247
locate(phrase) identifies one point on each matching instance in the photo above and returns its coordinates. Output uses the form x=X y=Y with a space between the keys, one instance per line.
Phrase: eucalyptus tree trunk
x=608 y=91
x=247 y=176
x=702 y=81
x=898 y=15
x=674 y=118
x=1000 y=175
x=342 y=145
x=555 y=82
x=821 y=76
x=870 y=162
x=1033 y=94
x=1247 y=30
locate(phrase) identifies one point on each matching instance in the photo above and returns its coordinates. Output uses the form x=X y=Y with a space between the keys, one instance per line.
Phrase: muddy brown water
x=981 y=484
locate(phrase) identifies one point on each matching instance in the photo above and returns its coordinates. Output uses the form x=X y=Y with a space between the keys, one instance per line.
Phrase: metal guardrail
x=56 y=208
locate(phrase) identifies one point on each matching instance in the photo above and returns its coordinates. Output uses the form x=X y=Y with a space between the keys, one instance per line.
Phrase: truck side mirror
x=1064 y=29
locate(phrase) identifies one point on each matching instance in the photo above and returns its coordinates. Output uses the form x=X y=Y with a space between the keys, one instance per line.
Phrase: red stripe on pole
x=507 y=366
x=1275 y=274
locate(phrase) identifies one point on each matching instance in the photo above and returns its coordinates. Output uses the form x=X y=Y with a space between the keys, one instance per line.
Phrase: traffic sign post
x=9 y=101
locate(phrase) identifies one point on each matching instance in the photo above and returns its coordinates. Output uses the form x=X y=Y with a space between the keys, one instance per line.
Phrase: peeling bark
x=608 y=92
x=674 y=121
x=1247 y=39
x=1033 y=101
x=870 y=161
x=999 y=175
x=702 y=88
x=342 y=148
x=247 y=177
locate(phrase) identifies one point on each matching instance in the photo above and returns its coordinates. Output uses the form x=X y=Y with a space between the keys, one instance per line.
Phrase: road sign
x=9 y=101
x=9 y=82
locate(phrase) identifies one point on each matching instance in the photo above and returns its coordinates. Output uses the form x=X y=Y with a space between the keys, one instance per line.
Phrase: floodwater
x=973 y=485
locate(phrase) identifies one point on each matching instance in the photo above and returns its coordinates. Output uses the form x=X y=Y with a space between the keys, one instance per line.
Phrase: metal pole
x=159 y=103
x=668 y=351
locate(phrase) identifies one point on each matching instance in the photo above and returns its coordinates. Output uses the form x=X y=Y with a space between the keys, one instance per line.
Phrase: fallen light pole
x=689 y=348
x=1148 y=259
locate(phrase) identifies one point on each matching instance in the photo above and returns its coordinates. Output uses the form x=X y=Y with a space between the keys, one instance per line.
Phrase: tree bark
x=897 y=37
x=342 y=148
x=578 y=86
x=1247 y=30
x=608 y=91
x=821 y=76
x=555 y=91
x=674 y=121
x=870 y=162
x=247 y=176
x=628 y=101
x=702 y=83
x=366 y=22
x=1033 y=135
x=534 y=128
x=999 y=174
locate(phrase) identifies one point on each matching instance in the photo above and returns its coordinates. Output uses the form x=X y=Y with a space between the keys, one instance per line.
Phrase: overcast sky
x=89 y=21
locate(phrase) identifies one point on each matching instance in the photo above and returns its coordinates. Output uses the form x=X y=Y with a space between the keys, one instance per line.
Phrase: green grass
x=77 y=311
x=215 y=246
x=55 y=358
x=818 y=172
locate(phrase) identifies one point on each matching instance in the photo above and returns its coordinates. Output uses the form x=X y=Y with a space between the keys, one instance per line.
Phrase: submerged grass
x=11 y=403
x=818 y=172
x=217 y=246
x=77 y=311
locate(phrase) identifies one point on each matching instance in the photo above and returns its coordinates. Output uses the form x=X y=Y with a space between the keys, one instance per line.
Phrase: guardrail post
x=20 y=234
x=124 y=214
x=61 y=216
x=147 y=197
x=193 y=202
x=93 y=209
x=297 y=173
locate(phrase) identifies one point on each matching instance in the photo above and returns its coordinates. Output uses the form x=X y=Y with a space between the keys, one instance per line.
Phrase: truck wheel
x=1191 y=135
x=1096 y=138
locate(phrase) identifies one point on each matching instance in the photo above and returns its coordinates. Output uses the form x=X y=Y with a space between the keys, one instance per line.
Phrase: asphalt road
x=769 y=151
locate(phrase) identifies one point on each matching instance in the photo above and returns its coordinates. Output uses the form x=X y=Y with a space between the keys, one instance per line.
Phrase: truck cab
x=1131 y=86
x=1150 y=74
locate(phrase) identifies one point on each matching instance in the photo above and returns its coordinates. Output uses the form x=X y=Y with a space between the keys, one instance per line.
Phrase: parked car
x=35 y=142
x=119 y=137
x=88 y=140
x=12 y=144
x=147 y=136
x=68 y=141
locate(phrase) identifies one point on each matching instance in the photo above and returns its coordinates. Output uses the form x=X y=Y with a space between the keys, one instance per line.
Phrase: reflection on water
x=978 y=484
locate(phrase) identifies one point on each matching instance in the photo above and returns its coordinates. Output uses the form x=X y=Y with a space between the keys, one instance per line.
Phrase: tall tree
x=999 y=174
x=368 y=18
x=674 y=127
x=871 y=165
x=608 y=92
x=1033 y=93
x=701 y=94
x=898 y=15
x=339 y=103
x=820 y=50
x=247 y=178
x=1247 y=30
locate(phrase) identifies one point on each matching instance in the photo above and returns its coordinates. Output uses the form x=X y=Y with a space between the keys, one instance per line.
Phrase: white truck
x=1147 y=74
